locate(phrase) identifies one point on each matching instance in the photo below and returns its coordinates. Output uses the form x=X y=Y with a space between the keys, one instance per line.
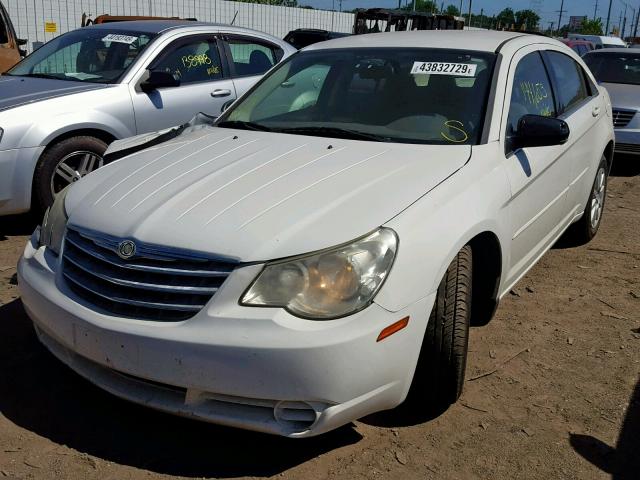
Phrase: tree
x=452 y=10
x=427 y=6
x=506 y=18
x=592 y=27
x=527 y=20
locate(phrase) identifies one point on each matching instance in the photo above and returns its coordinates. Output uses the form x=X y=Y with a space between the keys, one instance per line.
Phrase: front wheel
x=64 y=163
x=439 y=375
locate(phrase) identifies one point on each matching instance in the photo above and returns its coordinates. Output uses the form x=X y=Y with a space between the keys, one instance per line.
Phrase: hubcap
x=597 y=198
x=72 y=168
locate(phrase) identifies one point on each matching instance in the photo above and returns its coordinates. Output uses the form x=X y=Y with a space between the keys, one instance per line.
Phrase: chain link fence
x=42 y=20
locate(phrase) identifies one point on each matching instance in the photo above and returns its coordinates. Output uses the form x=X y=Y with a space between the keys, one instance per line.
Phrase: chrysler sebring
x=320 y=252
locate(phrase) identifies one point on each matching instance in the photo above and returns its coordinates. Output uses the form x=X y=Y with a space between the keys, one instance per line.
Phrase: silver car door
x=197 y=62
x=249 y=59
x=539 y=176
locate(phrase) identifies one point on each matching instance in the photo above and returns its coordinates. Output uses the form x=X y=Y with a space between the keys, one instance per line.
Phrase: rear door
x=249 y=59
x=205 y=86
x=580 y=105
x=539 y=176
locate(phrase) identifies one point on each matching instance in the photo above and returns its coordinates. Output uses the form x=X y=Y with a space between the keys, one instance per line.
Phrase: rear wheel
x=64 y=163
x=439 y=376
x=586 y=228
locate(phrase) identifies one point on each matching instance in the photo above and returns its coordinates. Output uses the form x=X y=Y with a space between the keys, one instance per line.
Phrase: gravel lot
x=553 y=390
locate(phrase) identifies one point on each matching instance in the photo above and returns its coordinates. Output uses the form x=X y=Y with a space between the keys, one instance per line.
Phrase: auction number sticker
x=444 y=68
x=114 y=37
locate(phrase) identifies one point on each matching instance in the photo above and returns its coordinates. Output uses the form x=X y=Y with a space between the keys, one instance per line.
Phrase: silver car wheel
x=597 y=198
x=72 y=168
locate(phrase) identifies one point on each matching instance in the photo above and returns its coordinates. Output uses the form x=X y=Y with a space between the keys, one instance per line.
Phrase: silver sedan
x=62 y=105
x=618 y=70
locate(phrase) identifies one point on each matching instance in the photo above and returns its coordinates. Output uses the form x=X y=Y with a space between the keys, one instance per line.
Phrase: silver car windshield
x=614 y=67
x=408 y=95
x=85 y=55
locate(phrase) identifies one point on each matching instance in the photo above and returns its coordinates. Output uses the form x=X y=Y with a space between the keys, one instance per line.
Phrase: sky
x=548 y=8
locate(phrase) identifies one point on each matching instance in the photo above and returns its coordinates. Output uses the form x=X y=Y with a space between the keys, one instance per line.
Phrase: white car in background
x=63 y=104
x=320 y=253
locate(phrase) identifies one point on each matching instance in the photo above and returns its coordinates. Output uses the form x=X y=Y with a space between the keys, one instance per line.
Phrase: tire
x=48 y=178
x=587 y=227
x=439 y=376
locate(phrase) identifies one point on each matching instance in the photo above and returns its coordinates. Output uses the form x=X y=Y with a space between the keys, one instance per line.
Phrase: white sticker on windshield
x=114 y=37
x=444 y=68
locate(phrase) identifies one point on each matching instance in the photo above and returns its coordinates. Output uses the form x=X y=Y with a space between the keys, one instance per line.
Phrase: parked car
x=618 y=70
x=320 y=253
x=10 y=51
x=599 y=41
x=63 y=104
x=303 y=37
x=579 y=46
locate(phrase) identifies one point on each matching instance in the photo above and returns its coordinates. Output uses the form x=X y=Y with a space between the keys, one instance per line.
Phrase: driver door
x=205 y=86
x=539 y=176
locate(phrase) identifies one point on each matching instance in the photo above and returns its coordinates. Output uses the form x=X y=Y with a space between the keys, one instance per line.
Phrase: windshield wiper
x=336 y=133
x=39 y=75
x=243 y=125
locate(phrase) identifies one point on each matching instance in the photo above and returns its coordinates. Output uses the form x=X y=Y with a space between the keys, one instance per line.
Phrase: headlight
x=54 y=223
x=328 y=284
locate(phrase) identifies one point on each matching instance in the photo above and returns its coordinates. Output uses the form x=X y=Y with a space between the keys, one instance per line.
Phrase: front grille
x=621 y=118
x=157 y=283
x=627 y=148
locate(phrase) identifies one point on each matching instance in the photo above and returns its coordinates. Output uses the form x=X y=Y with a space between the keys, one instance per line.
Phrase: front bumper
x=16 y=177
x=627 y=141
x=255 y=368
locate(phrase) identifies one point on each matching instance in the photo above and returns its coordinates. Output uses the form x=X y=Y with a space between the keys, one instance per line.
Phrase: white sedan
x=320 y=253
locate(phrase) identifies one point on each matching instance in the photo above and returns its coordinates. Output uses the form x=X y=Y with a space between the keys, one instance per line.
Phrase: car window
x=191 y=60
x=87 y=55
x=531 y=93
x=250 y=57
x=4 y=33
x=408 y=95
x=569 y=75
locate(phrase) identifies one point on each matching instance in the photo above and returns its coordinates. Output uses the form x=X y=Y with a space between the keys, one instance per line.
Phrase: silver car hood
x=16 y=91
x=623 y=95
x=256 y=196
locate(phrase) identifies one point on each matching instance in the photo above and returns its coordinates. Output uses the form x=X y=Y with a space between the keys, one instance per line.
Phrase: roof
x=484 y=40
x=604 y=51
x=154 y=26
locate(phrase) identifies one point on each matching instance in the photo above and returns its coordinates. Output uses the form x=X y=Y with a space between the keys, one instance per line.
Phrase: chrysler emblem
x=126 y=249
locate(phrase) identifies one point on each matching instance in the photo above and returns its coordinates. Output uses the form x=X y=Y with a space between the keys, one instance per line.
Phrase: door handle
x=221 y=92
x=596 y=111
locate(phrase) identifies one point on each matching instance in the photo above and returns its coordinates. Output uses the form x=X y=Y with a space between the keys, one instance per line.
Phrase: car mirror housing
x=540 y=131
x=159 y=79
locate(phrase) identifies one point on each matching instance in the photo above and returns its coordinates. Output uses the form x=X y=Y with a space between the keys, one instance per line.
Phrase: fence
x=36 y=20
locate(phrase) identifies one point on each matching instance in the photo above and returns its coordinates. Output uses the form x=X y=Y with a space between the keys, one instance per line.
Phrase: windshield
x=409 y=95
x=615 y=67
x=85 y=55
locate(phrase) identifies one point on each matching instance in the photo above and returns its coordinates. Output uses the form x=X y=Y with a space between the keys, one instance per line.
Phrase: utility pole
x=624 y=23
x=470 y=2
x=481 y=16
x=595 y=10
x=551 y=24
x=635 y=30
x=606 y=29
x=560 y=15
x=414 y=5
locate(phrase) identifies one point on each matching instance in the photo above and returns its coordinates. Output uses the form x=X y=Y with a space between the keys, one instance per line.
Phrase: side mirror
x=539 y=131
x=159 y=79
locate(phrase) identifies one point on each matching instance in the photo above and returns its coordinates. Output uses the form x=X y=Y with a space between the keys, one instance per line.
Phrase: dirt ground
x=552 y=391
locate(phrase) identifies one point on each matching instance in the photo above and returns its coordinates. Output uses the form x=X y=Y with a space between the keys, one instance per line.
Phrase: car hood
x=623 y=95
x=255 y=196
x=16 y=91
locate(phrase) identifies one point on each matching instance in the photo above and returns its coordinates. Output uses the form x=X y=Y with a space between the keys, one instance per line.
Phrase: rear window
x=611 y=67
